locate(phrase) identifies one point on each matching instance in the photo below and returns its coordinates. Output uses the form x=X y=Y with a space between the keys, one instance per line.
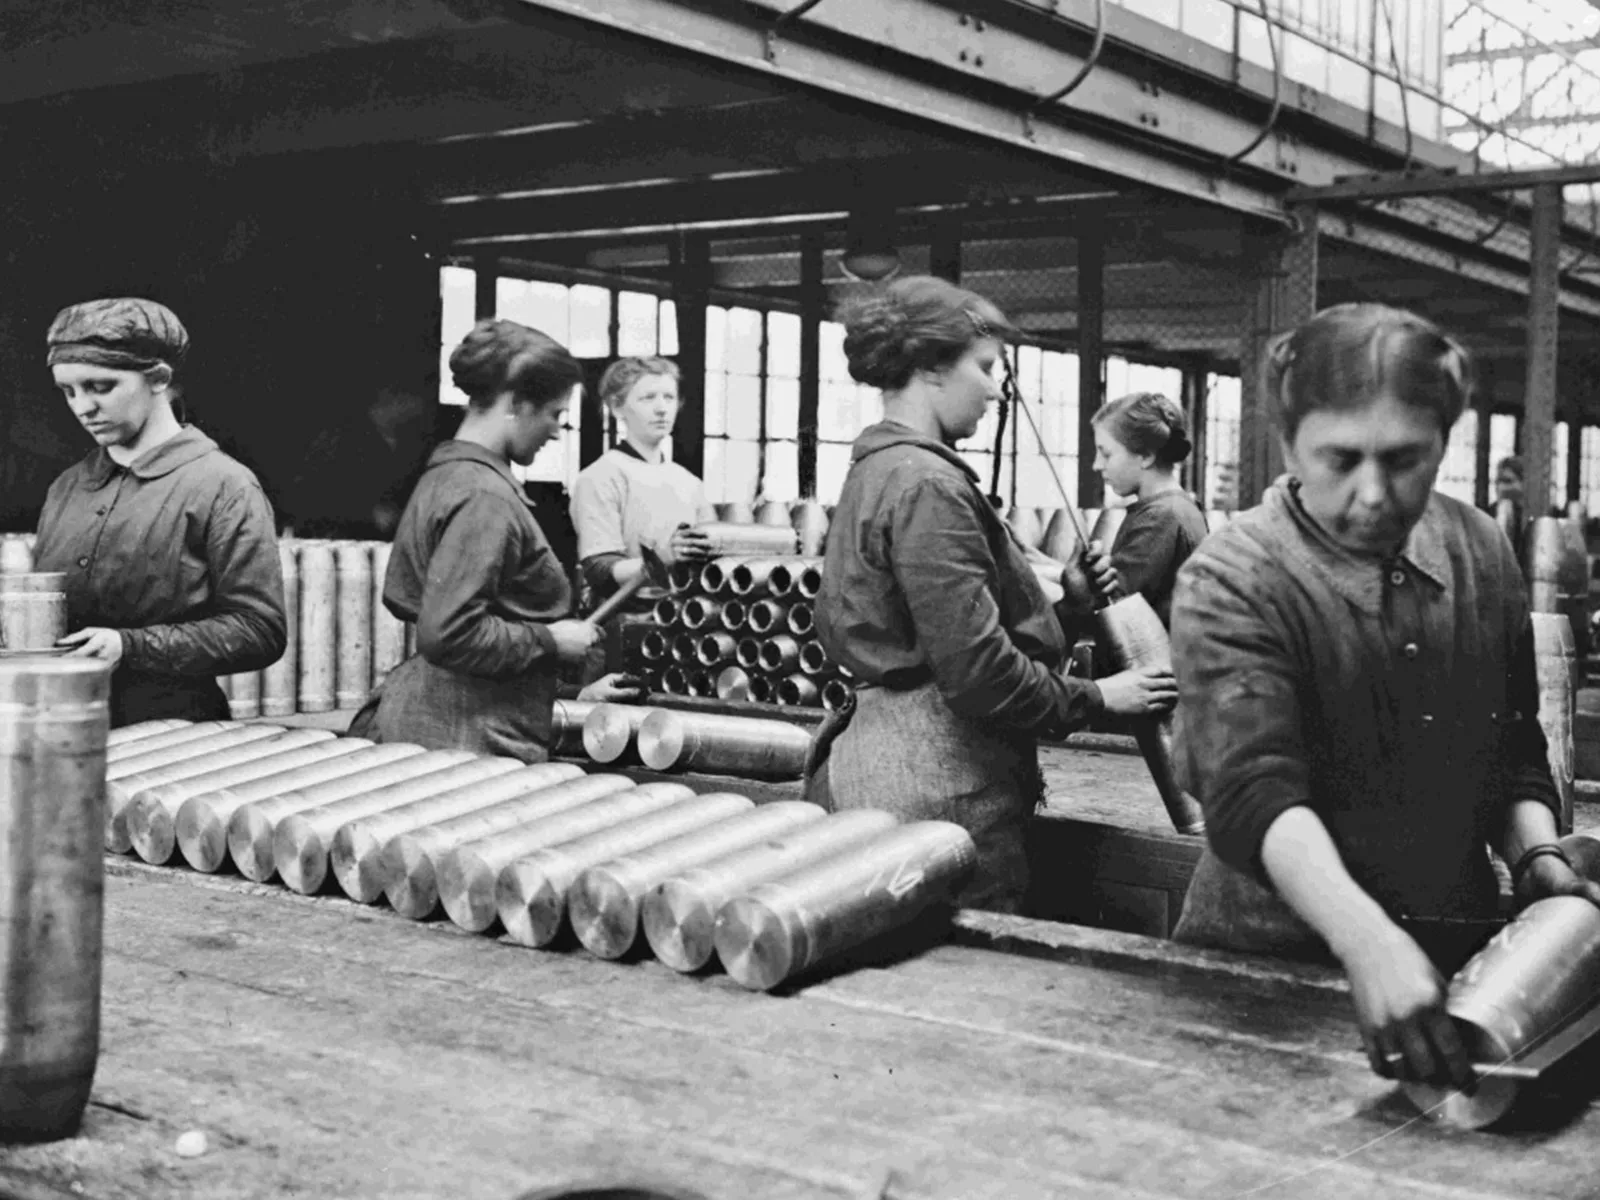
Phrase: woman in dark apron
x=1139 y=440
x=931 y=602
x=167 y=544
x=471 y=567
x=1360 y=715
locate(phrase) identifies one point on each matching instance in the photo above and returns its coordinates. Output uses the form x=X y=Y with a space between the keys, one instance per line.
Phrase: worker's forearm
x=625 y=570
x=1304 y=865
x=1529 y=823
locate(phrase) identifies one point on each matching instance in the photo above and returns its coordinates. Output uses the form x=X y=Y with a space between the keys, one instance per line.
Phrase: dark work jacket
x=177 y=552
x=923 y=581
x=473 y=569
x=1397 y=700
x=1156 y=538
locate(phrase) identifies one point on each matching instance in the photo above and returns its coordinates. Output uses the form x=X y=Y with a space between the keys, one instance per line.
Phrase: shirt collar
x=185 y=447
x=456 y=450
x=1359 y=580
x=887 y=434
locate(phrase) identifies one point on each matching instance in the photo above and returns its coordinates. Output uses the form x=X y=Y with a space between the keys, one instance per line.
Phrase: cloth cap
x=125 y=333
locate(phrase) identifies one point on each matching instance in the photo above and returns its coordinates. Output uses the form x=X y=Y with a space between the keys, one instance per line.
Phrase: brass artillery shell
x=808 y=583
x=566 y=725
x=252 y=826
x=33 y=610
x=1024 y=524
x=352 y=623
x=675 y=681
x=280 y=682
x=202 y=821
x=764 y=617
x=814 y=658
x=698 y=612
x=801 y=620
x=679 y=915
x=732 y=539
x=149 y=743
x=744 y=746
x=774 y=513
x=410 y=860
x=654 y=646
x=715 y=648
x=604 y=901
x=779 y=929
x=302 y=843
x=798 y=691
x=736 y=512
x=141 y=730
x=1553 y=662
x=748 y=653
x=733 y=615
x=609 y=730
x=836 y=694
x=152 y=812
x=318 y=622
x=733 y=684
x=685 y=648
x=467 y=874
x=355 y=852
x=388 y=630
x=244 y=695
x=665 y=612
x=531 y=892
x=780 y=655
x=811 y=525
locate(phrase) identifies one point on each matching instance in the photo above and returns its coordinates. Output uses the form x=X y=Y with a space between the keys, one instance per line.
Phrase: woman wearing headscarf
x=471 y=567
x=932 y=604
x=167 y=544
x=1139 y=440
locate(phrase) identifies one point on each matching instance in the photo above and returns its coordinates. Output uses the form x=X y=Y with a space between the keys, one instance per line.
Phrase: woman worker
x=472 y=568
x=932 y=604
x=1360 y=716
x=166 y=542
x=1139 y=440
x=632 y=496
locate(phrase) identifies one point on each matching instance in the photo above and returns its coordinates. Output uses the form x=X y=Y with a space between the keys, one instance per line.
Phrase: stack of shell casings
x=342 y=641
x=743 y=627
x=543 y=853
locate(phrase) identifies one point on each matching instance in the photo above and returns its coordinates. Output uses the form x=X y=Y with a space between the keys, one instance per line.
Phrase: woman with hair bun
x=473 y=569
x=1360 y=709
x=1139 y=440
x=932 y=604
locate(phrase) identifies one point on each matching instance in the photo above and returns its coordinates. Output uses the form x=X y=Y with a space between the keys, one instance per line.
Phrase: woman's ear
x=159 y=377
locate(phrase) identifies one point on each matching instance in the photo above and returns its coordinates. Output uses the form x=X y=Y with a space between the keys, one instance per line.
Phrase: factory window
x=1502 y=439
x=1221 y=489
x=735 y=357
x=1048 y=381
x=844 y=409
x=780 y=452
x=1458 y=473
x=1558 y=466
x=1589 y=468
x=457 y=290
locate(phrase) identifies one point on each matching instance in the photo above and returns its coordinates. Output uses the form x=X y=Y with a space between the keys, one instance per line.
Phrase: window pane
x=1458 y=472
x=744 y=407
x=741 y=470
x=833 y=464
x=669 y=328
x=837 y=418
x=714 y=448
x=591 y=321
x=744 y=341
x=1558 y=466
x=716 y=404
x=1222 y=443
x=1502 y=437
x=638 y=324
x=716 y=338
x=834 y=365
x=458 y=297
x=783 y=345
x=537 y=304
x=783 y=408
x=782 y=478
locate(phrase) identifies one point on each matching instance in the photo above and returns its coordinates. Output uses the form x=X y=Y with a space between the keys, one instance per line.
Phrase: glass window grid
x=1558 y=467
x=1223 y=414
x=1458 y=472
x=1589 y=470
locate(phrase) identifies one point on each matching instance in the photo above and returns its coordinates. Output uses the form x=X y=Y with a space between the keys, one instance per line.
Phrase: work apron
x=144 y=696
x=441 y=709
x=906 y=752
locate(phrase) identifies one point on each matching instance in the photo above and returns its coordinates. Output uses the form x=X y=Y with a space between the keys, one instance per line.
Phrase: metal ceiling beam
x=1548 y=122
x=1378 y=187
x=1530 y=50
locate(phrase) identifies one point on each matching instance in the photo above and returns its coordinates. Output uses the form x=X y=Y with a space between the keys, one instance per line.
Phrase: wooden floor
x=330 y=1050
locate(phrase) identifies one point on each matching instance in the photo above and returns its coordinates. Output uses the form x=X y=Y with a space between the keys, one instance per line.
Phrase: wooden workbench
x=336 y=1051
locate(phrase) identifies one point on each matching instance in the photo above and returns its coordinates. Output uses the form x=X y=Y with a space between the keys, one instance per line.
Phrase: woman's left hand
x=95 y=643
x=613 y=687
x=1548 y=876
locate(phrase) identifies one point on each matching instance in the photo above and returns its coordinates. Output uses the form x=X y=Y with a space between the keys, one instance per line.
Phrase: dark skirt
x=907 y=753
x=441 y=709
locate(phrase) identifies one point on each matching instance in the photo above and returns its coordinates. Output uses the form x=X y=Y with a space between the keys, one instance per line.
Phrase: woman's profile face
x=533 y=426
x=1122 y=469
x=113 y=405
x=966 y=389
x=650 y=408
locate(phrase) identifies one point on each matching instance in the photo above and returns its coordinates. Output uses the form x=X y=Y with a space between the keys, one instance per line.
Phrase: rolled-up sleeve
x=1241 y=712
x=946 y=570
x=243 y=627
x=458 y=627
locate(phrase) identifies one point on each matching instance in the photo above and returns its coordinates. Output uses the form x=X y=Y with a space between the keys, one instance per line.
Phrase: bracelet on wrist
x=1532 y=855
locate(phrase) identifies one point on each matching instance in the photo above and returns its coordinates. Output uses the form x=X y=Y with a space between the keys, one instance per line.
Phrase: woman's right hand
x=689 y=544
x=1399 y=1000
x=1141 y=692
x=573 y=639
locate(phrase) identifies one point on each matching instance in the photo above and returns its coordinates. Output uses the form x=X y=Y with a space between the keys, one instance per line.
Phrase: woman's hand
x=95 y=642
x=573 y=639
x=1141 y=692
x=1102 y=575
x=1548 y=876
x=689 y=544
x=613 y=687
x=1399 y=1000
